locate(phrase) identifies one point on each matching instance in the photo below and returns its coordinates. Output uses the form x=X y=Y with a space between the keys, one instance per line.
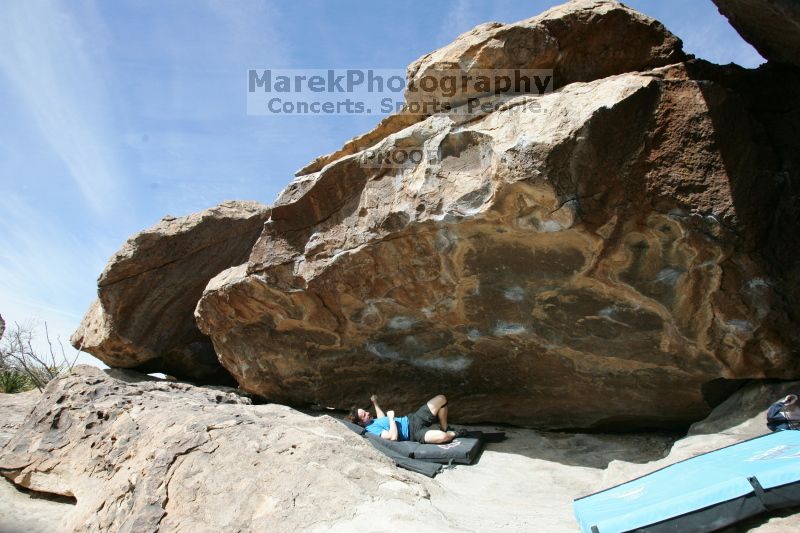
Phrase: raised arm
x=378 y=411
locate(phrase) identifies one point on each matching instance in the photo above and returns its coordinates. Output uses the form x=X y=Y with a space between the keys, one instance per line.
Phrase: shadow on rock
x=591 y=450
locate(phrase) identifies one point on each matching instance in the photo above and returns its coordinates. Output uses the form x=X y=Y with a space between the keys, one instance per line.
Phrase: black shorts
x=419 y=423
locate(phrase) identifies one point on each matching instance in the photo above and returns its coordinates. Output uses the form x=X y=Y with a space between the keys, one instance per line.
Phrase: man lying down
x=414 y=427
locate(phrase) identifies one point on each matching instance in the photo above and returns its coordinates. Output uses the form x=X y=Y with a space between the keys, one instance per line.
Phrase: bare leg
x=438 y=406
x=434 y=436
x=442 y=415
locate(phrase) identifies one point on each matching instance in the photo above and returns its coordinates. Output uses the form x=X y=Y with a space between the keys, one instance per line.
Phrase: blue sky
x=117 y=113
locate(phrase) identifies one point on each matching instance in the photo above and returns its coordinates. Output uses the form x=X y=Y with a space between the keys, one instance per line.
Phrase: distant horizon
x=119 y=114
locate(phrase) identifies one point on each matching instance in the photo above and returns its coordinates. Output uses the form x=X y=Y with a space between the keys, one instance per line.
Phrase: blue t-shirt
x=382 y=424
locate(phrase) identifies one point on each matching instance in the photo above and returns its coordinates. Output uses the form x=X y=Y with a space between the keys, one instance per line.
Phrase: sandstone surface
x=615 y=239
x=269 y=468
x=141 y=455
x=22 y=511
x=582 y=40
x=771 y=26
x=16 y=408
x=147 y=292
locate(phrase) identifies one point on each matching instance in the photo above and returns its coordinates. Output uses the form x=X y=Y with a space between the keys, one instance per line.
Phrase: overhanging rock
x=147 y=292
x=592 y=257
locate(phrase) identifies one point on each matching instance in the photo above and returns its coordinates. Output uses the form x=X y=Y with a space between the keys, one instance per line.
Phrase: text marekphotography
x=385 y=91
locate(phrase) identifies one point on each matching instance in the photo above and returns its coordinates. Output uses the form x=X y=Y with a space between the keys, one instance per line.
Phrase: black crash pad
x=428 y=458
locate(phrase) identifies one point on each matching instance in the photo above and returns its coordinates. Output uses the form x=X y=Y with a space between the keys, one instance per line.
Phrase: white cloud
x=48 y=63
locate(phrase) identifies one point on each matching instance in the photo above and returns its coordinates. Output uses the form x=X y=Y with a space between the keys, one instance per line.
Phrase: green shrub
x=12 y=381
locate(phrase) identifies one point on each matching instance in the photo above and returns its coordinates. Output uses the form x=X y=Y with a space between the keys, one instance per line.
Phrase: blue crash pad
x=704 y=492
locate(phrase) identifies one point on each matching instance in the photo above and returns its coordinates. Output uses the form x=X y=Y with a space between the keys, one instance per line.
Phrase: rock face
x=771 y=26
x=142 y=455
x=147 y=293
x=608 y=241
x=582 y=40
x=2 y=326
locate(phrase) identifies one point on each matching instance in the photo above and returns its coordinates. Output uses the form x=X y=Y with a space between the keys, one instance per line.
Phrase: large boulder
x=581 y=40
x=147 y=292
x=145 y=455
x=599 y=256
x=771 y=26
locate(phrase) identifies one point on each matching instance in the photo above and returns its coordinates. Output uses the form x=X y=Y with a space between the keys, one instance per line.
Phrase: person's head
x=359 y=416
